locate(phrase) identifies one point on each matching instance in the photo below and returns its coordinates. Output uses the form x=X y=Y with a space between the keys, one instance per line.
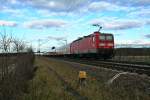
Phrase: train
x=95 y=45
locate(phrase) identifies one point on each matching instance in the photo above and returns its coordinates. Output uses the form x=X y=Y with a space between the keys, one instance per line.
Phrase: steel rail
x=140 y=69
x=127 y=67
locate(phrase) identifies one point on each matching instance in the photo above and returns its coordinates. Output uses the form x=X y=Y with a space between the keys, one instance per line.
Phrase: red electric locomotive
x=98 y=45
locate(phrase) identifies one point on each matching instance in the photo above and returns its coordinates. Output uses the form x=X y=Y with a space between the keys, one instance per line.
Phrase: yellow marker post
x=82 y=78
x=82 y=74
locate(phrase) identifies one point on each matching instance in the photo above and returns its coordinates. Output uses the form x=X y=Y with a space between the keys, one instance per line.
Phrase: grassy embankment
x=47 y=85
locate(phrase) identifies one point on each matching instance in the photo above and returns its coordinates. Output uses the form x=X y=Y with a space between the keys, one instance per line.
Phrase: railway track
x=134 y=68
x=120 y=66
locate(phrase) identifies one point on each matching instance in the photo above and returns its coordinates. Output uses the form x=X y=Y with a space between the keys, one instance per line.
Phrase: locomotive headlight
x=110 y=44
x=102 y=44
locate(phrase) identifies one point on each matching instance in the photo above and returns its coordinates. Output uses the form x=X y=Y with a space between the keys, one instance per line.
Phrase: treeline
x=132 y=51
x=12 y=54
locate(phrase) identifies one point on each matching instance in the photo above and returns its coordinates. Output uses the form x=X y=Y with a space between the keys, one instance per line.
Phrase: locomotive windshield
x=102 y=37
x=106 y=37
x=109 y=37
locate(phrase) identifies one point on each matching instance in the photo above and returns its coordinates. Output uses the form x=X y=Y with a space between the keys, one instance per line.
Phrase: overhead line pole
x=39 y=40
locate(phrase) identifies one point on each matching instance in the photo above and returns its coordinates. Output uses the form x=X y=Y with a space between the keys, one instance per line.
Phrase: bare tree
x=5 y=42
x=19 y=45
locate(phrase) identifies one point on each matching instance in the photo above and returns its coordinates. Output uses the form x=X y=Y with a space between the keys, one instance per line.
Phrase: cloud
x=46 y=23
x=8 y=23
x=147 y=36
x=135 y=3
x=141 y=12
x=54 y=5
x=15 y=12
x=57 y=38
x=117 y=24
x=105 y=6
x=141 y=2
x=132 y=43
x=74 y=5
x=47 y=13
x=14 y=1
x=147 y=22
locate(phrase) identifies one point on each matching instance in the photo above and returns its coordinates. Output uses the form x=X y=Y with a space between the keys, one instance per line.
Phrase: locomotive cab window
x=102 y=37
x=109 y=37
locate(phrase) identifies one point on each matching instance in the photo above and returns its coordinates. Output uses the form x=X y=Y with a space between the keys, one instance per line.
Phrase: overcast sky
x=53 y=20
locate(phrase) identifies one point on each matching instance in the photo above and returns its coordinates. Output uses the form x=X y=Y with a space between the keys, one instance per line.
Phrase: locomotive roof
x=80 y=38
x=103 y=33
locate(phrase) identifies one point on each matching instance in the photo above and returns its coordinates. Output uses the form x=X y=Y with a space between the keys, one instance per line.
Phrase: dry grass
x=46 y=85
x=127 y=87
x=15 y=71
